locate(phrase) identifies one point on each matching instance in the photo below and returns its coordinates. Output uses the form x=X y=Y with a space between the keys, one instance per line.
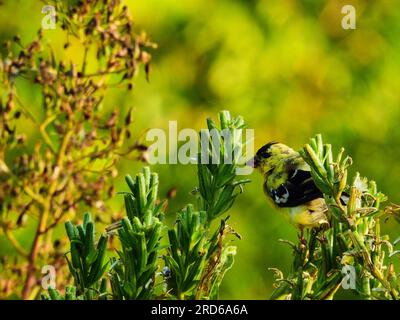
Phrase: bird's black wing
x=298 y=189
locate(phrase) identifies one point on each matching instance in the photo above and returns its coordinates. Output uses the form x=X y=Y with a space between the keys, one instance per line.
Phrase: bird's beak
x=253 y=162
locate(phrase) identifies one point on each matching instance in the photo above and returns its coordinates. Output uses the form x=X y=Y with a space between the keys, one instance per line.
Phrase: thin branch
x=15 y=243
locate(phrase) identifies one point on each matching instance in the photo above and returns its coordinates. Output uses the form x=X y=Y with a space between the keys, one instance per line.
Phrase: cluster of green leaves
x=70 y=294
x=133 y=275
x=86 y=262
x=198 y=257
x=187 y=252
x=353 y=239
x=195 y=259
x=217 y=184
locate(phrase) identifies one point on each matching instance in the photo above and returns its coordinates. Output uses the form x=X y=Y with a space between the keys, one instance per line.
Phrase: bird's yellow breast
x=309 y=215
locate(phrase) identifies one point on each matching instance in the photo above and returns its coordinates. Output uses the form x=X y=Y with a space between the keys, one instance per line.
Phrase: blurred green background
x=288 y=68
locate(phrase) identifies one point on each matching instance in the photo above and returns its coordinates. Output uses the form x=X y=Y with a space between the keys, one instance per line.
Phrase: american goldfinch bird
x=288 y=183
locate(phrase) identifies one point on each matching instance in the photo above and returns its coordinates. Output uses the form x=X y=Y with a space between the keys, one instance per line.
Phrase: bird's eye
x=265 y=155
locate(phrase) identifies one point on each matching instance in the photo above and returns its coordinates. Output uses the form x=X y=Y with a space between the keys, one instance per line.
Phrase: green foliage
x=53 y=294
x=217 y=184
x=133 y=275
x=197 y=261
x=86 y=262
x=353 y=238
x=187 y=253
x=196 y=257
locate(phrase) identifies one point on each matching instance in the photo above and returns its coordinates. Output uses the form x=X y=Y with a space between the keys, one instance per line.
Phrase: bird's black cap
x=263 y=153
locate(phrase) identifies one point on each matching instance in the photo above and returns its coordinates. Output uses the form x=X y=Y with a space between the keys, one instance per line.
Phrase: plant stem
x=18 y=247
x=30 y=276
x=42 y=225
